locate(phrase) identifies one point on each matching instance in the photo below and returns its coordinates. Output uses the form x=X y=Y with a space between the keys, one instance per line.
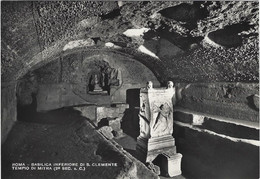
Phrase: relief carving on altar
x=162 y=120
x=144 y=118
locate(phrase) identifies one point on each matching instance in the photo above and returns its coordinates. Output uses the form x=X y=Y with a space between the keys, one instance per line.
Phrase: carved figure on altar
x=162 y=124
x=143 y=116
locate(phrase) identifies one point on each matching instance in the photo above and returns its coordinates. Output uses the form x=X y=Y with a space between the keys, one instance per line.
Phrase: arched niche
x=100 y=76
x=66 y=81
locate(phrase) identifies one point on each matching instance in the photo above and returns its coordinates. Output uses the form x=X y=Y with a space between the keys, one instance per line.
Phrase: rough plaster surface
x=8 y=109
x=184 y=27
x=56 y=96
x=231 y=100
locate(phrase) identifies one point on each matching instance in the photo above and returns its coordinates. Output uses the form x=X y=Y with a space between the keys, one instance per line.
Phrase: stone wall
x=8 y=108
x=217 y=129
x=238 y=101
x=64 y=81
x=209 y=155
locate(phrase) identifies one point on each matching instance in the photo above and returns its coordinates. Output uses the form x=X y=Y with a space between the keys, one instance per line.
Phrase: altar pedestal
x=156 y=128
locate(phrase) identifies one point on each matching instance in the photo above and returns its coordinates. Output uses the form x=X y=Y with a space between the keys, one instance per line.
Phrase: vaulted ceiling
x=187 y=41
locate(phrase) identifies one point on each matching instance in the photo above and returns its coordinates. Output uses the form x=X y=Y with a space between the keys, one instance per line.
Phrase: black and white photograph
x=130 y=89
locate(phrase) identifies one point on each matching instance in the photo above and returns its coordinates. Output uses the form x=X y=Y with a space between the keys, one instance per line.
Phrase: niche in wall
x=84 y=78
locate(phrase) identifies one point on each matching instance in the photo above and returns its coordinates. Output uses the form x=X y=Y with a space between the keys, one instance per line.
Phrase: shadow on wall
x=28 y=113
x=130 y=120
x=209 y=156
x=186 y=12
x=132 y=97
x=253 y=102
x=229 y=36
x=103 y=122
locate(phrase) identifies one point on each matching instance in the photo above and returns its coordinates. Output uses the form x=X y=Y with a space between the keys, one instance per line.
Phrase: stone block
x=115 y=124
x=122 y=107
x=172 y=166
x=225 y=126
x=106 y=112
x=118 y=133
x=107 y=132
x=159 y=148
x=155 y=143
x=87 y=111
x=182 y=117
x=197 y=120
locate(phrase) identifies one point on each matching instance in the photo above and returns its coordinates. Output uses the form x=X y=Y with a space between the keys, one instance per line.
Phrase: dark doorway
x=162 y=162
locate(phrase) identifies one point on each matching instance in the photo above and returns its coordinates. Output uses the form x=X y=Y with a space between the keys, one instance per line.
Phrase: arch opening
x=84 y=82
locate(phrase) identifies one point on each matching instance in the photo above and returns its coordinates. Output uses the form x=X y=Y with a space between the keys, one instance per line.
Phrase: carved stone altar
x=156 y=128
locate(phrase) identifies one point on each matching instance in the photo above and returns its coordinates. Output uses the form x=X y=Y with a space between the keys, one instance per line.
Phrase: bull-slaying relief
x=156 y=128
x=162 y=120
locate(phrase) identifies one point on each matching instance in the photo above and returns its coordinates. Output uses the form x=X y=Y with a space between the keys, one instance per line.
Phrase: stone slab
x=226 y=126
x=122 y=107
x=106 y=131
x=87 y=111
x=155 y=143
x=173 y=165
x=106 y=112
x=115 y=124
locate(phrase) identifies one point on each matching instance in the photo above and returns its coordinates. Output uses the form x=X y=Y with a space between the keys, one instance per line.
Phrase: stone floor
x=64 y=136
